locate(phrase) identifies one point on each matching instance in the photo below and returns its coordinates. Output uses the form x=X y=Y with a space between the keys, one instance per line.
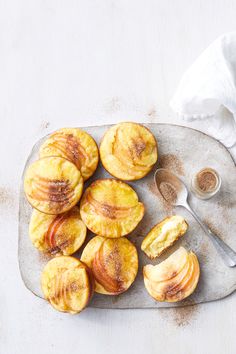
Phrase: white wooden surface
x=75 y=63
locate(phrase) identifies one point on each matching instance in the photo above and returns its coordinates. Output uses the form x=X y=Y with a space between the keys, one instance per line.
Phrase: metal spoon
x=175 y=192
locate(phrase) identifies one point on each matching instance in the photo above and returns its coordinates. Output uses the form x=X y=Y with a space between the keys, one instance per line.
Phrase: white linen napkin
x=207 y=91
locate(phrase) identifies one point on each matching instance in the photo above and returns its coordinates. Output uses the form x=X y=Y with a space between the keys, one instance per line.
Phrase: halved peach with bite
x=75 y=145
x=53 y=185
x=67 y=284
x=128 y=151
x=163 y=235
x=57 y=235
x=173 y=279
x=111 y=208
x=114 y=263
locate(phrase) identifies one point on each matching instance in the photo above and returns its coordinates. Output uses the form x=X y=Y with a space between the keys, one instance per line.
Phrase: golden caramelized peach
x=53 y=185
x=61 y=234
x=67 y=284
x=114 y=263
x=75 y=145
x=163 y=235
x=110 y=208
x=173 y=279
x=128 y=151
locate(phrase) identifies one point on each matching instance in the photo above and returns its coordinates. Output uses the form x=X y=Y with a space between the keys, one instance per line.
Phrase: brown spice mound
x=206 y=180
x=168 y=192
x=167 y=206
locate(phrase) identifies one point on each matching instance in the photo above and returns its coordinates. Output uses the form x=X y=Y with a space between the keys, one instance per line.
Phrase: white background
x=78 y=63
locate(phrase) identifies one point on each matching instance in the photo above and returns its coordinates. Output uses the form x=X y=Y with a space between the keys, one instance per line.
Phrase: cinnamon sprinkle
x=168 y=192
x=173 y=163
x=206 y=180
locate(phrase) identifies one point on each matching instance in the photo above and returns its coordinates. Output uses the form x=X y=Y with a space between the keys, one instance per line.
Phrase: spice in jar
x=206 y=183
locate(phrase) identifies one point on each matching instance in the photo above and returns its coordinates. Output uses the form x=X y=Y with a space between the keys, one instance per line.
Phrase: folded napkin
x=207 y=91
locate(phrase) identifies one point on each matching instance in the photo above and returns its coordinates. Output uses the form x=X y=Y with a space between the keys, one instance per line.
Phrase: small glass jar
x=206 y=183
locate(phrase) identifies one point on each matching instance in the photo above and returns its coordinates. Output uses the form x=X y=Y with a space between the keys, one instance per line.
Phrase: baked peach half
x=110 y=208
x=128 y=151
x=53 y=185
x=67 y=284
x=75 y=145
x=173 y=279
x=163 y=235
x=114 y=263
x=57 y=235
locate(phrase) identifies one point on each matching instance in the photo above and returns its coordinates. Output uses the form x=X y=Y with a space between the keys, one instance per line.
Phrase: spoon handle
x=228 y=255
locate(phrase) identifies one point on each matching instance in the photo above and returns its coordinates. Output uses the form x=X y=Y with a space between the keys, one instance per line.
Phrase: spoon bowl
x=172 y=188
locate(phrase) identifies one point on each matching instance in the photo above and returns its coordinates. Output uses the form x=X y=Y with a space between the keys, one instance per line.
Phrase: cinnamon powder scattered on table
x=6 y=197
x=172 y=162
